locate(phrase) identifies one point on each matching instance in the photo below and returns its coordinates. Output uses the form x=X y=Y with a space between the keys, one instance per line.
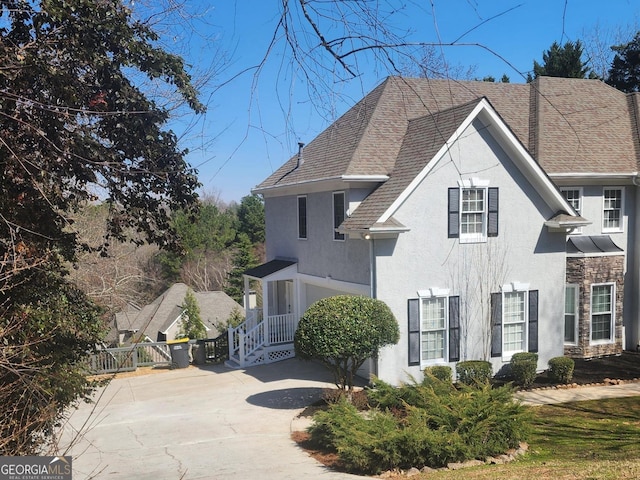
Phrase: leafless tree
x=479 y=271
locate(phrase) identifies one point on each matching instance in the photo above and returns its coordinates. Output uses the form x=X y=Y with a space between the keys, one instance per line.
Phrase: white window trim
x=475 y=237
x=577 y=231
x=333 y=211
x=306 y=212
x=613 y=315
x=576 y=313
x=511 y=288
x=622 y=195
x=430 y=294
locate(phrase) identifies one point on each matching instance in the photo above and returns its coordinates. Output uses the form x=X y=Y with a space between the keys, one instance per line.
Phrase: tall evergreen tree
x=191 y=325
x=251 y=218
x=243 y=259
x=562 y=61
x=624 y=73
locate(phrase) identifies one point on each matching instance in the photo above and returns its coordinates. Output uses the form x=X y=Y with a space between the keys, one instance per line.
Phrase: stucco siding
x=319 y=254
x=425 y=258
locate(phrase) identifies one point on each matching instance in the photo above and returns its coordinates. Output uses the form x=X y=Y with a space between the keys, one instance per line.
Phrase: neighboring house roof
x=216 y=308
x=164 y=311
x=570 y=126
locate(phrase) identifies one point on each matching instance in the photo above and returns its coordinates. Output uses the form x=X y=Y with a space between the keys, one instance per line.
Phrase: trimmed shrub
x=523 y=368
x=561 y=369
x=441 y=372
x=474 y=372
x=343 y=332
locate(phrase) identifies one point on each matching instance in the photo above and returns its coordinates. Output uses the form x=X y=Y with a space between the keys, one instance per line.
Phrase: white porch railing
x=281 y=328
x=250 y=340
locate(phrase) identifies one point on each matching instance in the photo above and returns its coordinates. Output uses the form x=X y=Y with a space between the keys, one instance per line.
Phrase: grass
x=593 y=440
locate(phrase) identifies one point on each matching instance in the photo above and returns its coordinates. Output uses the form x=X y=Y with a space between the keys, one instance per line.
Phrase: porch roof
x=268 y=268
x=592 y=244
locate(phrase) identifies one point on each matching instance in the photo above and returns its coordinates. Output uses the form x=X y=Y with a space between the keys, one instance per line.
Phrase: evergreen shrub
x=474 y=372
x=418 y=425
x=561 y=369
x=523 y=368
x=441 y=372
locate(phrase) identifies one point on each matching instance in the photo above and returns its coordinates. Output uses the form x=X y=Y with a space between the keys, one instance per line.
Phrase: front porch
x=267 y=333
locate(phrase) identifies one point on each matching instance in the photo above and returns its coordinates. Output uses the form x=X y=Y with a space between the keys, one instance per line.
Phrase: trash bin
x=179 y=352
x=199 y=353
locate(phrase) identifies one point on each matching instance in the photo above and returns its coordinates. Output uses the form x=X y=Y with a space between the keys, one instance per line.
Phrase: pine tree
x=562 y=61
x=243 y=259
x=624 y=73
x=191 y=325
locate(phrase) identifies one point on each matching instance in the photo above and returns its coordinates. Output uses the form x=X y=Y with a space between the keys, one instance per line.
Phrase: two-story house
x=491 y=218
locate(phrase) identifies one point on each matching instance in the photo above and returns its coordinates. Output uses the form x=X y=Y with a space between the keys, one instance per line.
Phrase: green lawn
x=598 y=439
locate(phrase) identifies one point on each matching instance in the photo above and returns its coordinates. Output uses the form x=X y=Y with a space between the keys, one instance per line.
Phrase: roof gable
x=427 y=141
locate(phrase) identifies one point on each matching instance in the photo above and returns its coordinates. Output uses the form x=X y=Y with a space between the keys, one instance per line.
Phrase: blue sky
x=254 y=121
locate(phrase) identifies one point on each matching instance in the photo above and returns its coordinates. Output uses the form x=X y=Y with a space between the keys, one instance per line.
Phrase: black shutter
x=454 y=212
x=414 y=331
x=492 y=213
x=454 y=329
x=533 y=320
x=496 y=324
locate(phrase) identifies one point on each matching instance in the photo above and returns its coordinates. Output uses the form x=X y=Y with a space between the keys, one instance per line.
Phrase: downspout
x=373 y=290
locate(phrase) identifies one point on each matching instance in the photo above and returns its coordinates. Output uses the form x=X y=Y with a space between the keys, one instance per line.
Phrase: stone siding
x=584 y=272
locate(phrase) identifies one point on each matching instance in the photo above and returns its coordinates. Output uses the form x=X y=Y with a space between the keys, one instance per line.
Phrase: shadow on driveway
x=287 y=399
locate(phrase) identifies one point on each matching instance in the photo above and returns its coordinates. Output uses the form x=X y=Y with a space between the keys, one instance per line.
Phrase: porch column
x=265 y=311
x=247 y=303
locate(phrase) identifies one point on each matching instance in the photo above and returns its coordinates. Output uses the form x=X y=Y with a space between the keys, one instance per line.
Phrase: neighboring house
x=492 y=219
x=160 y=320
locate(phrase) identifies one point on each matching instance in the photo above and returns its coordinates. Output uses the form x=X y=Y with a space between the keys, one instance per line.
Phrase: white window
x=434 y=313
x=571 y=314
x=473 y=214
x=602 y=313
x=574 y=198
x=613 y=201
x=514 y=322
x=338 y=214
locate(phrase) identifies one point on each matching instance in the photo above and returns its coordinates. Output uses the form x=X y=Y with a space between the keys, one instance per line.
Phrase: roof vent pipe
x=300 y=158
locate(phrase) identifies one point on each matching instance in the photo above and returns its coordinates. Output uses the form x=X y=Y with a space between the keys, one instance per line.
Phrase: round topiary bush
x=441 y=372
x=474 y=372
x=344 y=331
x=523 y=368
x=561 y=369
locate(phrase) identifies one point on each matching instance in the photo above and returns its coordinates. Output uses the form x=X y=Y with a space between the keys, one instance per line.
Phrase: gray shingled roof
x=568 y=125
x=423 y=138
x=584 y=126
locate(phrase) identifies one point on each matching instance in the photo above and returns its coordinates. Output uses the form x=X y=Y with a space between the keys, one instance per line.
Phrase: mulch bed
x=597 y=370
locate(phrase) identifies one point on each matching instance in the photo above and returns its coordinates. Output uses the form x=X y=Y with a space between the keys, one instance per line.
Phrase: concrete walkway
x=578 y=394
x=217 y=423
x=200 y=423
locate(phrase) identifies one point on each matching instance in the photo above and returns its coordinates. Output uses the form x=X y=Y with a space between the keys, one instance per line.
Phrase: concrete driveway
x=200 y=423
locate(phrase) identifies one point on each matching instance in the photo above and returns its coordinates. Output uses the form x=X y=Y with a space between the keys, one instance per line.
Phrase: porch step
x=270 y=354
x=233 y=364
